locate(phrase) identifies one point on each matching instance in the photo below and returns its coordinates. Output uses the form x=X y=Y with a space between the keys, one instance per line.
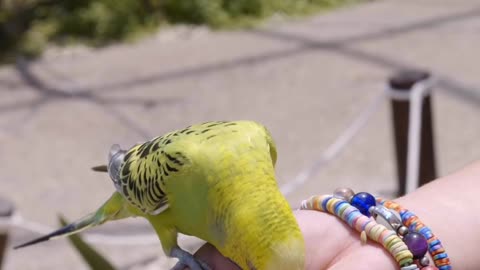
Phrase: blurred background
x=78 y=76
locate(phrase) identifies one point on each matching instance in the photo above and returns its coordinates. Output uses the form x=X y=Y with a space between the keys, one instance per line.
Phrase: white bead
x=410 y=267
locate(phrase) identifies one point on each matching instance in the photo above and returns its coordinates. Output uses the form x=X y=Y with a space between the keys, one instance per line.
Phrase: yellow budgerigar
x=215 y=181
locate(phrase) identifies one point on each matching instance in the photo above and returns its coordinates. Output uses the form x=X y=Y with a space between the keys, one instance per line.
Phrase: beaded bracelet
x=412 y=245
x=355 y=219
x=409 y=219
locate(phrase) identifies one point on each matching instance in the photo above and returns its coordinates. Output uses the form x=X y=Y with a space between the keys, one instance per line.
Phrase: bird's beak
x=112 y=209
x=100 y=168
x=114 y=150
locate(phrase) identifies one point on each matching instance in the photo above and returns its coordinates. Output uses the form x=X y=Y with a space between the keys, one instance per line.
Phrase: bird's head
x=116 y=157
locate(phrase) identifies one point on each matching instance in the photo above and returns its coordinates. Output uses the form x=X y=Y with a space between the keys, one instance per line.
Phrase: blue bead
x=435 y=248
x=363 y=201
x=424 y=230
x=406 y=215
x=324 y=203
x=440 y=256
x=434 y=243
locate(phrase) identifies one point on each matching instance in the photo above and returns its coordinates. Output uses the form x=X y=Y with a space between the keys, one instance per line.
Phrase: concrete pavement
x=306 y=80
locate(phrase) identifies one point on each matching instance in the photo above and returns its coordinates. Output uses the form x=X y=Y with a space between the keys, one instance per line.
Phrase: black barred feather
x=148 y=167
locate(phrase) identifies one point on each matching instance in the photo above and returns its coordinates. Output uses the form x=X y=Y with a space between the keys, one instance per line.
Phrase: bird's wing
x=146 y=169
x=149 y=166
x=271 y=145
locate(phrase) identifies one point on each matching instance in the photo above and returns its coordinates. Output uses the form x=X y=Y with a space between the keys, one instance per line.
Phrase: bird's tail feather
x=112 y=209
x=75 y=227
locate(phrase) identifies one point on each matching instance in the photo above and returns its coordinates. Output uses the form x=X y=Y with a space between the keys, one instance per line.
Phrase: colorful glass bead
x=416 y=243
x=345 y=194
x=363 y=201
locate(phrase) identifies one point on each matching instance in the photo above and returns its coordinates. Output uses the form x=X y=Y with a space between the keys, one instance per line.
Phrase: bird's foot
x=186 y=259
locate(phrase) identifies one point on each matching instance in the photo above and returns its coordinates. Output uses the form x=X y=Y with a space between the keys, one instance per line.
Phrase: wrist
x=331 y=244
x=366 y=256
x=448 y=206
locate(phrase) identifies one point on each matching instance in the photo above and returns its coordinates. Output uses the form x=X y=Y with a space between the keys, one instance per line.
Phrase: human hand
x=330 y=244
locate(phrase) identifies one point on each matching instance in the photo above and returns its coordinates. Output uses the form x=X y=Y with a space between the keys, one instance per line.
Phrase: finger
x=211 y=256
